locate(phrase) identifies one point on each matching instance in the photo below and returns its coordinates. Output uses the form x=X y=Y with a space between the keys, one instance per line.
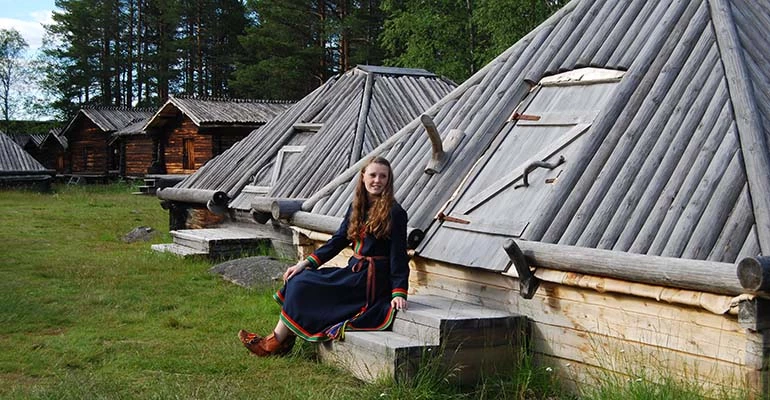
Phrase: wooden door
x=188 y=154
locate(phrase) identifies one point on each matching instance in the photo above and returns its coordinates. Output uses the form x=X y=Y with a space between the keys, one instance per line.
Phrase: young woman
x=321 y=304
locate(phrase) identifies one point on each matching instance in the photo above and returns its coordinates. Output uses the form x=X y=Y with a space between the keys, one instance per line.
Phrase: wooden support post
x=528 y=283
x=754 y=273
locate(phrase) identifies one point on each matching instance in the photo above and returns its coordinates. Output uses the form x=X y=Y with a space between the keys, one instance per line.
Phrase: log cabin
x=52 y=151
x=17 y=167
x=89 y=137
x=340 y=121
x=606 y=177
x=187 y=132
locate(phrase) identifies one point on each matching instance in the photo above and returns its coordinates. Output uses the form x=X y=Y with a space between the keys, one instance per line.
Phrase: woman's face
x=375 y=178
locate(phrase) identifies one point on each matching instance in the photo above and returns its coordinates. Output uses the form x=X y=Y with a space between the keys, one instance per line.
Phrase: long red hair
x=375 y=217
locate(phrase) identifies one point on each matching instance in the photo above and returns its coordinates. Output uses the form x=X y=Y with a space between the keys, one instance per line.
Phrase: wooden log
x=680 y=222
x=285 y=208
x=752 y=135
x=196 y=196
x=633 y=13
x=363 y=114
x=663 y=177
x=632 y=91
x=653 y=159
x=612 y=180
x=735 y=231
x=707 y=276
x=315 y=222
x=263 y=204
x=754 y=273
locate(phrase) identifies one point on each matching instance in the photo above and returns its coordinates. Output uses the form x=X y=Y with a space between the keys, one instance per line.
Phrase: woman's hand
x=294 y=270
x=399 y=303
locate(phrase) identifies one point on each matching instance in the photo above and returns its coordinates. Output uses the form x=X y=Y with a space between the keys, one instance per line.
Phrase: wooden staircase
x=230 y=241
x=154 y=182
x=468 y=340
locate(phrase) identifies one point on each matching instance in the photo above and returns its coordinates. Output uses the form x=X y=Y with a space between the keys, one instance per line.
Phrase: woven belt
x=371 y=277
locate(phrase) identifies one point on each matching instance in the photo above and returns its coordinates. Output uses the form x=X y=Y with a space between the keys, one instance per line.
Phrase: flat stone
x=141 y=233
x=252 y=272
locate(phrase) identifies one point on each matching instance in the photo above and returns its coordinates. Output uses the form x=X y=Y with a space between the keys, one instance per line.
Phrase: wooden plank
x=752 y=135
x=607 y=357
x=543 y=155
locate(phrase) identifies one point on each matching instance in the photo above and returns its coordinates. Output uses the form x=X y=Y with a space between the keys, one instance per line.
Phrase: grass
x=85 y=315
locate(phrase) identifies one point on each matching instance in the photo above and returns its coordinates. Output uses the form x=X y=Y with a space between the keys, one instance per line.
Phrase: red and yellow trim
x=398 y=292
x=314 y=260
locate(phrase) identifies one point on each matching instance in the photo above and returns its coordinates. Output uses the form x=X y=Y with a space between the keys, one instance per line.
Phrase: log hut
x=53 y=151
x=89 y=135
x=135 y=149
x=343 y=119
x=47 y=148
x=187 y=132
x=606 y=177
x=17 y=167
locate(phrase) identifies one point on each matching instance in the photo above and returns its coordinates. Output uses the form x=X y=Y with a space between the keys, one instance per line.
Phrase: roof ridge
x=115 y=108
x=231 y=99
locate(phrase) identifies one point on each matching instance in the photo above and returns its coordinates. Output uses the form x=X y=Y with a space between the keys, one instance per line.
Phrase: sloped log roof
x=108 y=119
x=338 y=122
x=17 y=164
x=210 y=111
x=672 y=163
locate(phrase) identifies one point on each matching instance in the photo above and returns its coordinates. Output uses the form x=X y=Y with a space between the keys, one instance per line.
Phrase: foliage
x=12 y=73
x=457 y=37
x=296 y=45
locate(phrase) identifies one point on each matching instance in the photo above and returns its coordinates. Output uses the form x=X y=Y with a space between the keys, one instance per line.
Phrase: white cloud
x=31 y=29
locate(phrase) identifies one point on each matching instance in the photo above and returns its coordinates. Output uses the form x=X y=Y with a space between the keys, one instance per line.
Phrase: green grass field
x=84 y=315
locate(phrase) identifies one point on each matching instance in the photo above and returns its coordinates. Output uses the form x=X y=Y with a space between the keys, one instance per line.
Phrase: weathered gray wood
x=584 y=14
x=754 y=314
x=679 y=223
x=600 y=30
x=528 y=283
x=679 y=155
x=716 y=212
x=438 y=158
x=197 y=196
x=630 y=148
x=753 y=140
x=754 y=273
x=735 y=231
x=263 y=204
x=706 y=276
x=673 y=125
x=625 y=55
x=633 y=89
x=632 y=13
x=316 y=222
x=285 y=208
x=363 y=113
x=680 y=187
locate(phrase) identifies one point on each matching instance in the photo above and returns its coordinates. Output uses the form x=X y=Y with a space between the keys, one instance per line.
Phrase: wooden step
x=182 y=251
x=371 y=355
x=467 y=339
x=224 y=242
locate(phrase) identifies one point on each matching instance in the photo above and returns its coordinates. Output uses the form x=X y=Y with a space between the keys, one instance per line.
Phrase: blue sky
x=27 y=17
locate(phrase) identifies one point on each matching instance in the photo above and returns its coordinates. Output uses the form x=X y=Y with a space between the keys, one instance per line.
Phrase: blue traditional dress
x=321 y=304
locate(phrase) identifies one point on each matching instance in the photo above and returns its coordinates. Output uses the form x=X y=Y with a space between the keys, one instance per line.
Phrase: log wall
x=174 y=146
x=88 y=149
x=138 y=155
x=211 y=143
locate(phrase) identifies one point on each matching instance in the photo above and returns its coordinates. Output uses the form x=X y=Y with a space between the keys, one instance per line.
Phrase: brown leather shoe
x=267 y=346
